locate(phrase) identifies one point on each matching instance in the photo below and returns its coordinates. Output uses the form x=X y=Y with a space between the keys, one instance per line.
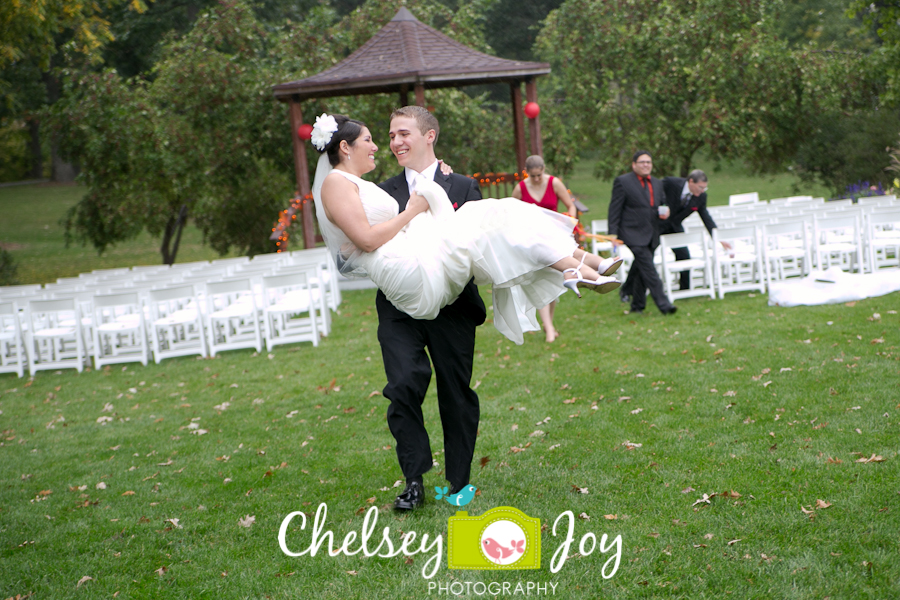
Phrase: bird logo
x=493 y=549
x=461 y=499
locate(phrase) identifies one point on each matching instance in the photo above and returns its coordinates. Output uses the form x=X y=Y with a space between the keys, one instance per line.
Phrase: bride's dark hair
x=348 y=129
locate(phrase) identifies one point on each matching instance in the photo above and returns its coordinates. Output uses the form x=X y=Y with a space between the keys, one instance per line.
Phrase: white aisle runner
x=833 y=287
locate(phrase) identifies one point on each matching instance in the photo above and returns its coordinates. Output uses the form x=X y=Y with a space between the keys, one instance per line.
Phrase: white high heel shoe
x=601 y=285
x=610 y=265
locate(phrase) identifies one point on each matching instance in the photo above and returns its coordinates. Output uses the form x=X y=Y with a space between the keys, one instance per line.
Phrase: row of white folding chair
x=56 y=334
x=882 y=239
x=12 y=359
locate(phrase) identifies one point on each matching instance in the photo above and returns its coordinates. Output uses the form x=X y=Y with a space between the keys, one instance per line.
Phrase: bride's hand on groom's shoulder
x=417 y=203
x=445 y=168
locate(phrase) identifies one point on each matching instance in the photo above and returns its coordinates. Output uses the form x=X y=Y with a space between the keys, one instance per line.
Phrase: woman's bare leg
x=546 y=314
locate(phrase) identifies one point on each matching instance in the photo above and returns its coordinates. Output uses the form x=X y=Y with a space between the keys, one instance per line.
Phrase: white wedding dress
x=506 y=243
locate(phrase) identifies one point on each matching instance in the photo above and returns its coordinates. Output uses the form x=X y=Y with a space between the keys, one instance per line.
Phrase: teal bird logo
x=461 y=499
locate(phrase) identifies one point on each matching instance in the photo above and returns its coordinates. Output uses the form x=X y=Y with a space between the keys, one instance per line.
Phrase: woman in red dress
x=546 y=191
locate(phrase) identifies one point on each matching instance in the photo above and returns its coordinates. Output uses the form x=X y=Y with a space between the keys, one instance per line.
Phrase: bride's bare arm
x=343 y=207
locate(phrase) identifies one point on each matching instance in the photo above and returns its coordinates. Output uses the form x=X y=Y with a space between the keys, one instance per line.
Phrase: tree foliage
x=203 y=134
x=678 y=76
x=884 y=17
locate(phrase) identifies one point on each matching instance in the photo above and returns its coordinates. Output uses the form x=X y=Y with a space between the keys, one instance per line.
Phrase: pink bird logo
x=494 y=550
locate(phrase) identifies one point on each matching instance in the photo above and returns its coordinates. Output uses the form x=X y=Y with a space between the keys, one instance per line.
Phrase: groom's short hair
x=424 y=119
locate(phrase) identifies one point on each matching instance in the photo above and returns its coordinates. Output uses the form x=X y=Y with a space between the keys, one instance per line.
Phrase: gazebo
x=408 y=56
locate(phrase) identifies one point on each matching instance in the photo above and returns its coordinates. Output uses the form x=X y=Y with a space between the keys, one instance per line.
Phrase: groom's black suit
x=450 y=340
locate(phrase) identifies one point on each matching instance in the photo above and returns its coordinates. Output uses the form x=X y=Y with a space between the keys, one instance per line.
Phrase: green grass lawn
x=31 y=231
x=628 y=422
x=625 y=421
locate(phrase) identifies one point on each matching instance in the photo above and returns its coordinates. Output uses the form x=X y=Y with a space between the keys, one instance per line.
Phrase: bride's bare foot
x=551 y=335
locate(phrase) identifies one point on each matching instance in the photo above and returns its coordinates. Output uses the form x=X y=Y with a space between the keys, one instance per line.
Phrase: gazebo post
x=534 y=125
x=301 y=168
x=404 y=95
x=518 y=128
x=420 y=94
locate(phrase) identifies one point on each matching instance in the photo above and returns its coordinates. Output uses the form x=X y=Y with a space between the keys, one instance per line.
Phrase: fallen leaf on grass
x=247 y=521
x=579 y=490
x=101 y=486
x=352 y=572
x=84 y=579
x=584 y=516
x=873 y=458
x=484 y=461
x=834 y=461
x=688 y=490
x=160 y=571
x=631 y=445
x=732 y=542
x=174 y=523
x=611 y=517
x=822 y=504
x=128 y=493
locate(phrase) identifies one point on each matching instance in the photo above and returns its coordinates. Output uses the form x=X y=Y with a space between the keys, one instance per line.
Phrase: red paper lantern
x=305 y=131
x=532 y=110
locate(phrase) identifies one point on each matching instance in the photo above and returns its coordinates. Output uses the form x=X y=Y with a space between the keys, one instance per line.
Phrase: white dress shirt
x=427 y=173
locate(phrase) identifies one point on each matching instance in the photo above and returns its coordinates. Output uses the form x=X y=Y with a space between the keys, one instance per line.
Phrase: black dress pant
x=642 y=276
x=683 y=254
x=450 y=341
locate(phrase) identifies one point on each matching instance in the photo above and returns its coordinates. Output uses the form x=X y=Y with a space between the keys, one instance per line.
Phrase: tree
x=204 y=138
x=675 y=77
x=884 y=17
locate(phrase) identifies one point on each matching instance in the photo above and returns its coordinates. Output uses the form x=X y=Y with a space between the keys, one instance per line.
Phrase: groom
x=449 y=339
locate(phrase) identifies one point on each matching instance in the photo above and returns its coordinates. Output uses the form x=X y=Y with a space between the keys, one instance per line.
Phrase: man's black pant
x=450 y=340
x=641 y=276
x=683 y=254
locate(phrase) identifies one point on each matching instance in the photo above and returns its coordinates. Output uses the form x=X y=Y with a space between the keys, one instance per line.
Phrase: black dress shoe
x=671 y=310
x=624 y=297
x=413 y=497
x=635 y=311
x=457 y=489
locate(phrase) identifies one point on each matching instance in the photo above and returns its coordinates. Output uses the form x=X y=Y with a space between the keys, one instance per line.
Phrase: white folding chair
x=50 y=343
x=837 y=241
x=748 y=198
x=785 y=250
x=12 y=359
x=232 y=316
x=882 y=239
x=738 y=269
x=286 y=299
x=120 y=333
x=601 y=227
x=176 y=323
x=702 y=282
x=328 y=273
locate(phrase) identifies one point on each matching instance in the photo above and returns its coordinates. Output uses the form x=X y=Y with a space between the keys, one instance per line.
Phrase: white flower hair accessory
x=323 y=130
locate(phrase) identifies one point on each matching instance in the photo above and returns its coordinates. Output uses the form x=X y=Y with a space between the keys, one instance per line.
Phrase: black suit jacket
x=679 y=212
x=631 y=217
x=460 y=189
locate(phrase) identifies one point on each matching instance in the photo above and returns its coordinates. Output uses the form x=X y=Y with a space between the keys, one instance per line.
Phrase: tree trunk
x=173 y=229
x=34 y=146
x=60 y=170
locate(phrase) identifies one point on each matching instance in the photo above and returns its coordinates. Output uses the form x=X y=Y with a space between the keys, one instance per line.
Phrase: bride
x=422 y=258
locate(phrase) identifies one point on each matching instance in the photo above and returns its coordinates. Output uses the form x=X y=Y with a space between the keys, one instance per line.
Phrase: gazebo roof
x=403 y=53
